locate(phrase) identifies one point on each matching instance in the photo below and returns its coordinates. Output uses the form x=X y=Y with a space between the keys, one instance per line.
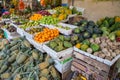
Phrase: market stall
x=58 y=43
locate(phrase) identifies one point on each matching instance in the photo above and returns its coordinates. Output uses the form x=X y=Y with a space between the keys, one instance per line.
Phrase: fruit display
x=102 y=47
x=20 y=61
x=60 y=43
x=29 y=24
x=86 y=30
x=62 y=13
x=11 y=28
x=35 y=17
x=46 y=35
x=1 y=34
x=44 y=13
x=34 y=30
x=49 y=20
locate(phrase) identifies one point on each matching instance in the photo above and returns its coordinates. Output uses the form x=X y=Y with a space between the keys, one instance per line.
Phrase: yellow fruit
x=78 y=45
x=62 y=16
x=35 y=17
x=55 y=15
x=117 y=19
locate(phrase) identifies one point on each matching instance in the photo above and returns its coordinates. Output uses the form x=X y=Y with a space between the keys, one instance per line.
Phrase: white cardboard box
x=63 y=67
x=105 y=61
x=58 y=55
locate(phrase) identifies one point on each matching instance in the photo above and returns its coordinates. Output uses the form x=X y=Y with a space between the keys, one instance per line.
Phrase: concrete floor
x=95 y=10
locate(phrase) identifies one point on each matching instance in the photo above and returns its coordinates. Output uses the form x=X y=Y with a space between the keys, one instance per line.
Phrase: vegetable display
x=102 y=47
x=87 y=29
x=46 y=35
x=60 y=43
x=20 y=61
x=110 y=27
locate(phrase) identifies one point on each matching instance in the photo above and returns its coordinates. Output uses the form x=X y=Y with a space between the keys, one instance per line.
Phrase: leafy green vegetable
x=67 y=38
x=76 y=30
x=59 y=48
x=97 y=30
x=94 y=47
x=74 y=37
x=87 y=42
x=112 y=36
x=67 y=44
x=84 y=47
x=86 y=35
x=52 y=44
x=105 y=23
x=61 y=37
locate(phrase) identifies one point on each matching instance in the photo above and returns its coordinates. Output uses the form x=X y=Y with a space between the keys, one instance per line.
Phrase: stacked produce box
x=96 y=57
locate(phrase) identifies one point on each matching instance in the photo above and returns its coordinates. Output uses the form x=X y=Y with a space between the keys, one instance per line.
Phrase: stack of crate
x=91 y=68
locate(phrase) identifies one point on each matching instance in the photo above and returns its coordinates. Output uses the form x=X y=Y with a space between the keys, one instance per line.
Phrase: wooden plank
x=83 y=68
x=97 y=64
x=95 y=75
x=91 y=69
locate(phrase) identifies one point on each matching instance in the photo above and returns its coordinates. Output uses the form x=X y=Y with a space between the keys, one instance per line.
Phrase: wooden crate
x=91 y=67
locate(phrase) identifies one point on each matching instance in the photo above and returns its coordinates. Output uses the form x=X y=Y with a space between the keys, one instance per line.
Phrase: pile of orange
x=35 y=17
x=46 y=35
